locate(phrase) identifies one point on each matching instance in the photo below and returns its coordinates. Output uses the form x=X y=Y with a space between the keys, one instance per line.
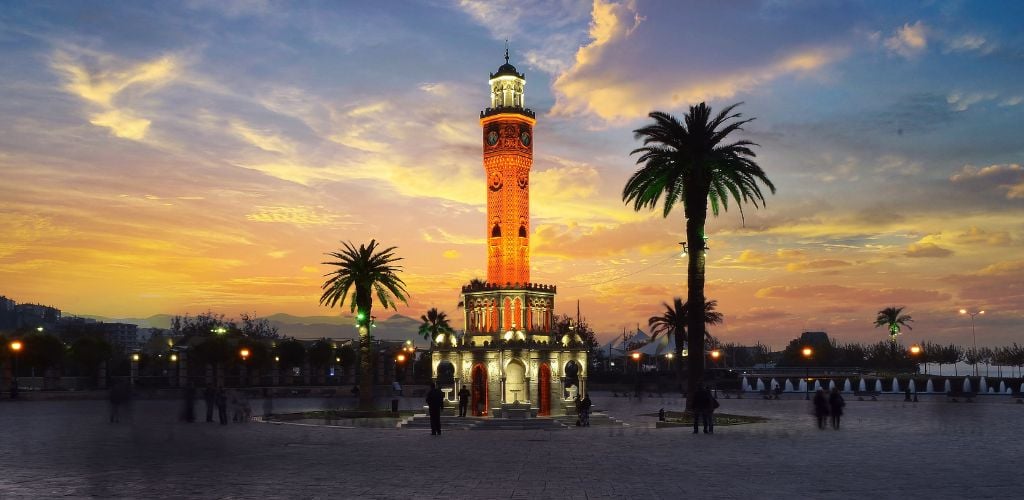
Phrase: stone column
x=501 y=386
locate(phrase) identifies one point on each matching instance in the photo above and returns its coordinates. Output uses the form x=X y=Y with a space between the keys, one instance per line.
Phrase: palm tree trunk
x=365 y=359
x=695 y=300
x=680 y=338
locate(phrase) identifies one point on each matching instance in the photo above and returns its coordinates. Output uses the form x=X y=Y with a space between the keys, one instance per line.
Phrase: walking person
x=222 y=406
x=835 y=406
x=585 y=410
x=821 y=408
x=708 y=417
x=119 y=395
x=464 y=397
x=435 y=401
x=579 y=410
x=701 y=403
x=210 y=397
x=188 y=412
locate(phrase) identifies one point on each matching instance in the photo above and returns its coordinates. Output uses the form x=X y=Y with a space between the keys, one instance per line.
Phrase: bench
x=731 y=394
x=866 y=394
x=955 y=396
x=770 y=394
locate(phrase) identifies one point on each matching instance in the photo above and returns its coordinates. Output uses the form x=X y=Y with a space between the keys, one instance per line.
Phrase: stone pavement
x=886 y=449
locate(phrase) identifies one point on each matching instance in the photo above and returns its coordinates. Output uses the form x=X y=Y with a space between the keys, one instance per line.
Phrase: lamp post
x=915 y=352
x=16 y=347
x=807 y=352
x=244 y=373
x=974 y=334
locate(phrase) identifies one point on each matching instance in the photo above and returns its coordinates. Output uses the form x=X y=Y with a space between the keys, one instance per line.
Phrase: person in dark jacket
x=821 y=407
x=701 y=403
x=222 y=406
x=435 y=401
x=585 y=410
x=210 y=396
x=835 y=407
x=464 y=397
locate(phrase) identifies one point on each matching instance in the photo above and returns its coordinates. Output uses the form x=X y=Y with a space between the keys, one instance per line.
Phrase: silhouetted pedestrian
x=435 y=401
x=578 y=404
x=821 y=407
x=585 y=405
x=464 y=397
x=188 y=411
x=703 y=406
x=222 y=406
x=835 y=406
x=119 y=395
x=210 y=397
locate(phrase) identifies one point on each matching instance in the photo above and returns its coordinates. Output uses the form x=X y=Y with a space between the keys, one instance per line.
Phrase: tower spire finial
x=506 y=51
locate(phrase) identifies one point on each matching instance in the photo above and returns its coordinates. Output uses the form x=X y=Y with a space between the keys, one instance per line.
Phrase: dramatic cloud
x=602 y=80
x=1006 y=177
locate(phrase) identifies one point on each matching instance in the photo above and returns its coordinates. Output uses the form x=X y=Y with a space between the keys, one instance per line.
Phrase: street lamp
x=973 y=333
x=807 y=352
x=244 y=354
x=915 y=352
x=16 y=346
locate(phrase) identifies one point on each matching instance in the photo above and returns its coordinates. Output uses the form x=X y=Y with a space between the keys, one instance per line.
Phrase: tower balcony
x=508 y=109
x=487 y=286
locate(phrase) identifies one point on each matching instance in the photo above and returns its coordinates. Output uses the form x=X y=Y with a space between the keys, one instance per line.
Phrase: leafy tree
x=42 y=351
x=953 y=354
x=257 y=328
x=291 y=352
x=673 y=322
x=369 y=270
x=893 y=319
x=563 y=324
x=89 y=352
x=691 y=162
x=434 y=323
x=202 y=325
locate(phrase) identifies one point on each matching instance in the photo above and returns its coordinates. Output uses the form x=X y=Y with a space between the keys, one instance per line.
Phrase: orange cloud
x=927 y=250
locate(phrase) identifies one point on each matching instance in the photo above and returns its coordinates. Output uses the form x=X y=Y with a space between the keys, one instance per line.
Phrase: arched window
x=496 y=231
x=522 y=231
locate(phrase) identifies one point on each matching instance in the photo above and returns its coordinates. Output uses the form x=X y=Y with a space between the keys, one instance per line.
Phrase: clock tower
x=508 y=155
x=510 y=357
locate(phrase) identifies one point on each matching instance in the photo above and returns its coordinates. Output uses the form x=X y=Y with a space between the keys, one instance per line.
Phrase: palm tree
x=673 y=321
x=690 y=162
x=893 y=319
x=370 y=271
x=434 y=324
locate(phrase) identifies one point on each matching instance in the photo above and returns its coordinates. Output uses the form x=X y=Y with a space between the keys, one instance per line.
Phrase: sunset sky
x=174 y=157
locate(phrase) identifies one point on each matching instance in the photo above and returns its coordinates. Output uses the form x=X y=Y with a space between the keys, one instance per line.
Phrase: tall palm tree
x=673 y=322
x=893 y=319
x=691 y=162
x=370 y=271
x=434 y=324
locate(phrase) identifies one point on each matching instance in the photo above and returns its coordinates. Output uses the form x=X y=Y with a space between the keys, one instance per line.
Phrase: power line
x=638 y=271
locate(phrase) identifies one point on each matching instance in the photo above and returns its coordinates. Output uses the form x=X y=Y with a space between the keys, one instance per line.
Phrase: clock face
x=492 y=137
x=494 y=183
x=525 y=138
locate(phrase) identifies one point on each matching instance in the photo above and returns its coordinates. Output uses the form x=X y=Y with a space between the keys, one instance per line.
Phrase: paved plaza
x=886 y=449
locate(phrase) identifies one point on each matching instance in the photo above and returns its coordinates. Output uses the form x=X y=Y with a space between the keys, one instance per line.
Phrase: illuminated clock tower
x=509 y=356
x=508 y=155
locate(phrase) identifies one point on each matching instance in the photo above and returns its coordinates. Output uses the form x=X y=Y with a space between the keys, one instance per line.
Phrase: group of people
x=704 y=406
x=828 y=405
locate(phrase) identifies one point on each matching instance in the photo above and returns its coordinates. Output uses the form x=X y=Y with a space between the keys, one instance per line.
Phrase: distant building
x=122 y=337
x=814 y=338
x=8 y=316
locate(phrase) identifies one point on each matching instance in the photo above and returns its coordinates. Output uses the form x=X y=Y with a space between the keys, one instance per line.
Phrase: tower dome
x=507 y=90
